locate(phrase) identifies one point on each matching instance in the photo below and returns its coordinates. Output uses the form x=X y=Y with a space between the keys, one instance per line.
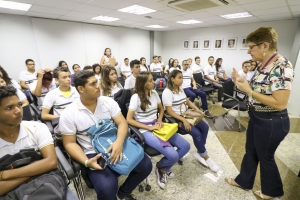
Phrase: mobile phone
x=101 y=162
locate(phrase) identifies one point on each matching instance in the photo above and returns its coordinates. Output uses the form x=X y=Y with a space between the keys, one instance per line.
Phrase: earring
x=264 y=54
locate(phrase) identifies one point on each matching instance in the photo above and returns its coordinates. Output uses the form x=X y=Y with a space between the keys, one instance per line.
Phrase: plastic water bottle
x=160 y=83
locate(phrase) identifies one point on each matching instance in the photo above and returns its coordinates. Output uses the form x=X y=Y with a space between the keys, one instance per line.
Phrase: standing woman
x=220 y=71
x=269 y=123
x=251 y=70
x=109 y=82
x=97 y=71
x=105 y=58
x=143 y=65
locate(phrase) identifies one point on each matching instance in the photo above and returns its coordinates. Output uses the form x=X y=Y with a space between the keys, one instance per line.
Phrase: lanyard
x=267 y=63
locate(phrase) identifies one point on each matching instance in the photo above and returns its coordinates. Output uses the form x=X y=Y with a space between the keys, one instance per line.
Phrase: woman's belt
x=261 y=108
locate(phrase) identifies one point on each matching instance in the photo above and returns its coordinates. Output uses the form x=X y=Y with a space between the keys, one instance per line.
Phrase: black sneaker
x=161 y=178
x=208 y=115
x=128 y=197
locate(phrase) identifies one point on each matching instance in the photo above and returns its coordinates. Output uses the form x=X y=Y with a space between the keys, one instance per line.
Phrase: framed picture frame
x=206 y=43
x=195 y=44
x=186 y=44
x=231 y=43
x=244 y=44
x=218 y=43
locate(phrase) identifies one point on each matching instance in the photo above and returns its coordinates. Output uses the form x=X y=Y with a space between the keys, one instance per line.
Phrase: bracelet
x=86 y=163
x=1 y=175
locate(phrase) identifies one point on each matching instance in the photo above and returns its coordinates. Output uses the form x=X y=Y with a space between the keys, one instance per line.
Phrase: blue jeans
x=171 y=156
x=105 y=182
x=70 y=195
x=264 y=134
x=222 y=80
x=199 y=134
x=192 y=94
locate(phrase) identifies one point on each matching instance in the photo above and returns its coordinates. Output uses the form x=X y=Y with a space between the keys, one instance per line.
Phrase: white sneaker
x=161 y=179
x=170 y=174
x=212 y=165
x=201 y=159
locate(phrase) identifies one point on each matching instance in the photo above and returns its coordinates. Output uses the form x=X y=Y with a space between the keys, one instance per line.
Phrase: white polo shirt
x=27 y=77
x=143 y=68
x=58 y=101
x=220 y=71
x=126 y=70
x=41 y=98
x=197 y=68
x=170 y=98
x=98 y=77
x=15 y=84
x=21 y=95
x=32 y=134
x=172 y=68
x=242 y=74
x=130 y=82
x=210 y=71
x=77 y=119
x=187 y=76
x=151 y=110
x=155 y=67
x=113 y=91
x=250 y=74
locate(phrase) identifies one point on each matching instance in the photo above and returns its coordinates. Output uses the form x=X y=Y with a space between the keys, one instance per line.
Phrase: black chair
x=200 y=81
x=230 y=102
x=29 y=114
x=121 y=80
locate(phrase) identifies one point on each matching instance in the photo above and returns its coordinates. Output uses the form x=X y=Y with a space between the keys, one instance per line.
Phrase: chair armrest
x=231 y=97
x=207 y=80
x=65 y=164
x=49 y=125
x=76 y=165
x=138 y=133
x=169 y=118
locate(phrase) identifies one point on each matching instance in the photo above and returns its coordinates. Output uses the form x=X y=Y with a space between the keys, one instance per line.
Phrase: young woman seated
x=109 y=84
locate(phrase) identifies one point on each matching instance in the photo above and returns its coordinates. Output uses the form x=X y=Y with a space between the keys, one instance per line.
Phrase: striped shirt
x=187 y=78
x=170 y=98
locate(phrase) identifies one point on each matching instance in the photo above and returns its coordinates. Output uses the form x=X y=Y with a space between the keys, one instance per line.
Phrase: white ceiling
x=85 y=10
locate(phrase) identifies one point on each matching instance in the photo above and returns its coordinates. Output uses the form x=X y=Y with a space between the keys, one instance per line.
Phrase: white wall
x=293 y=104
x=173 y=42
x=49 y=41
x=158 y=44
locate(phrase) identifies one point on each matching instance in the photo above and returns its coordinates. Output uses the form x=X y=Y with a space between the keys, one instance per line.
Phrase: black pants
x=264 y=134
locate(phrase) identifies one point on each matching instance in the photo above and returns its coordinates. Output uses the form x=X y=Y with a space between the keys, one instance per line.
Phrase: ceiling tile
x=11 y=11
x=293 y=2
x=153 y=5
x=135 y=1
x=177 y=18
x=81 y=1
x=271 y=11
x=174 y=11
x=275 y=17
x=43 y=15
x=198 y=15
x=111 y=4
x=123 y=15
x=216 y=18
x=246 y=20
x=295 y=8
x=43 y=9
x=264 y=4
x=222 y=22
x=160 y=15
x=62 y=4
x=80 y=15
x=223 y=10
x=25 y=1
x=92 y=9
x=240 y=2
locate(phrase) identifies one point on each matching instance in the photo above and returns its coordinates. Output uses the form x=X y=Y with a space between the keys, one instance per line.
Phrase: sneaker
x=161 y=178
x=208 y=115
x=170 y=174
x=201 y=159
x=212 y=165
x=128 y=197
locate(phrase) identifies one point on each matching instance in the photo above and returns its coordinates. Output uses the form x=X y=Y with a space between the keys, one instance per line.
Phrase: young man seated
x=125 y=69
x=245 y=68
x=77 y=118
x=135 y=69
x=155 y=66
x=60 y=97
x=28 y=76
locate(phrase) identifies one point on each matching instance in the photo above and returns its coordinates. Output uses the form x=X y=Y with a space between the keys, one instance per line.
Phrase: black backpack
x=122 y=97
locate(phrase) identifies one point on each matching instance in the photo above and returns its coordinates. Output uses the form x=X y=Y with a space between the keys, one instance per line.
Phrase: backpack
x=103 y=134
x=122 y=97
x=157 y=83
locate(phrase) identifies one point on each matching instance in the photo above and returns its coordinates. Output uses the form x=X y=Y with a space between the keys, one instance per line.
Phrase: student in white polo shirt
x=193 y=92
x=28 y=76
x=44 y=84
x=60 y=97
x=125 y=69
x=210 y=73
x=174 y=65
x=197 y=67
x=8 y=80
x=109 y=82
x=155 y=66
x=135 y=69
x=78 y=117
x=221 y=74
x=245 y=67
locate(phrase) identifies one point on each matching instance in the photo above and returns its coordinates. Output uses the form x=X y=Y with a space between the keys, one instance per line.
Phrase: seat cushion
x=231 y=103
x=150 y=151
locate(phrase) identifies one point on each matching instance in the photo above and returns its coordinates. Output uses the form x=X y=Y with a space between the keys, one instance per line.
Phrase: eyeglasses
x=31 y=64
x=252 y=46
x=186 y=64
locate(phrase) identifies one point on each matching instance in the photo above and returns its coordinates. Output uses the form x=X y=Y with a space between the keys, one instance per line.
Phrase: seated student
x=243 y=72
x=28 y=76
x=173 y=97
x=189 y=62
x=19 y=93
x=109 y=83
x=8 y=80
x=125 y=69
x=60 y=97
x=135 y=69
x=44 y=84
x=88 y=67
x=190 y=92
x=251 y=70
x=160 y=60
x=210 y=73
x=15 y=135
x=197 y=67
x=143 y=65
x=221 y=74
x=166 y=71
x=63 y=64
x=97 y=71
x=143 y=114
x=80 y=116
x=155 y=66
x=174 y=66
x=76 y=68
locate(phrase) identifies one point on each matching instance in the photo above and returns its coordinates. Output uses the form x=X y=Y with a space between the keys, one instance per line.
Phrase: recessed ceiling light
x=156 y=26
x=191 y=21
x=236 y=15
x=105 y=18
x=136 y=9
x=15 y=5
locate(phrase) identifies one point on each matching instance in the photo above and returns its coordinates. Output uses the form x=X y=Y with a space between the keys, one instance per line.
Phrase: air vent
x=195 y=5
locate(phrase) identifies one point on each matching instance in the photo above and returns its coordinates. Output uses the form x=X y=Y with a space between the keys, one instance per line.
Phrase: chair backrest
x=228 y=88
x=121 y=80
x=28 y=113
x=157 y=75
x=34 y=98
x=122 y=97
x=199 y=78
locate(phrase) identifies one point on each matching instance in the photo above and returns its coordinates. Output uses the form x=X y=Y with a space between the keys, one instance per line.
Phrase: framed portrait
x=231 y=43
x=244 y=44
x=206 y=43
x=186 y=44
x=196 y=44
x=218 y=43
